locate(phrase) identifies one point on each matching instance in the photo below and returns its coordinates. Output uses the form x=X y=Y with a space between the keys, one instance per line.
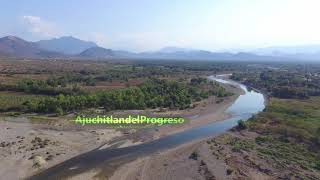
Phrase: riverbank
x=32 y=146
x=270 y=146
x=103 y=163
x=196 y=160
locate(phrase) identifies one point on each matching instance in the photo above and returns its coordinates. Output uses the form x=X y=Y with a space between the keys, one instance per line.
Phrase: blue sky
x=140 y=25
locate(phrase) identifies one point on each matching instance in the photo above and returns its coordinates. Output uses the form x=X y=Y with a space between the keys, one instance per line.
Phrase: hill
x=66 y=45
x=11 y=46
x=97 y=52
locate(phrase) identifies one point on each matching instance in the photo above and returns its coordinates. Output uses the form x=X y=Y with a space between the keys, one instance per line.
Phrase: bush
x=239 y=145
x=262 y=139
x=194 y=155
x=229 y=171
x=317 y=166
x=242 y=125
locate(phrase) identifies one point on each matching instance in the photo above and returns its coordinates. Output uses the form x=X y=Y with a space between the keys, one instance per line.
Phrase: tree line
x=151 y=94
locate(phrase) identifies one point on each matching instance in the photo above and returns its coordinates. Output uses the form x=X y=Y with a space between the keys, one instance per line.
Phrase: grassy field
x=286 y=136
x=282 y=142
x=290 y=119
x=289 y=132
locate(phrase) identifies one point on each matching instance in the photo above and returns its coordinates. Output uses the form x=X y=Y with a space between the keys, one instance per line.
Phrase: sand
x=24 y=141
x=176 y=164
x=171 y=164
x=57 y=141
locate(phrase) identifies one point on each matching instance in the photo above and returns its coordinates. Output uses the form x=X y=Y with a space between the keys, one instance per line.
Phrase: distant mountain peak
x=171 y=49
x=11 y=38
x=97 y=52
x=66 y=45
x=70 y=38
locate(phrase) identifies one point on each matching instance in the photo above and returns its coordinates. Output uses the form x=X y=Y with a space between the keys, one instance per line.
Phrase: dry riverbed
x=28 y=147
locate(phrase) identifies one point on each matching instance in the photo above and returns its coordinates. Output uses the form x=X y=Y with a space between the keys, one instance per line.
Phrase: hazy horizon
x=147 y=26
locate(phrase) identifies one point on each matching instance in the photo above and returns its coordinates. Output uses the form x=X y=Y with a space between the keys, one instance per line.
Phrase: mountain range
x=12 y=46
x=73 y=48
x=304 y=52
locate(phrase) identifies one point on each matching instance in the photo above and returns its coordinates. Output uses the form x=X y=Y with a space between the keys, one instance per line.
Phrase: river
x=246 y=105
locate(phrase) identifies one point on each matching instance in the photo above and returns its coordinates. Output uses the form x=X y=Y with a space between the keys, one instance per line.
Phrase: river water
x=244 y=107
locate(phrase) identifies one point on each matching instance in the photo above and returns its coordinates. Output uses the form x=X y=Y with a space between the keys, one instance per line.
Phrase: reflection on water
x=249 y=103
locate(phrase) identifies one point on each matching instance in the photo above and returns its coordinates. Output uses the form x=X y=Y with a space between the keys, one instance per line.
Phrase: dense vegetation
x=151 y=94
x=73 y=81
x=11 y=101
x=282 y=83
x=67 y=86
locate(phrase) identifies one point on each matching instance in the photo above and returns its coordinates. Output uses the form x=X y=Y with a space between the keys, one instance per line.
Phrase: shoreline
x=177 y=164
x=65 y=143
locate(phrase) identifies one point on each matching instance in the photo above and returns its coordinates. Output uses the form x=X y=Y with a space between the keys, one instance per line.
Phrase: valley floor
x=30 y=146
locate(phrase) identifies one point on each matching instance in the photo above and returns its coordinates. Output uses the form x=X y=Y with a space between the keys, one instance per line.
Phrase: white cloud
x=99 y=38
x=40 y=27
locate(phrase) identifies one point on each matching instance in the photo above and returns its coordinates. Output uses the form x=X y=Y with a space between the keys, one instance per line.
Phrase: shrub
x=262 y=139
x=229 y=171
x=194 y=155
x=242 y=125
x=317 y=166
